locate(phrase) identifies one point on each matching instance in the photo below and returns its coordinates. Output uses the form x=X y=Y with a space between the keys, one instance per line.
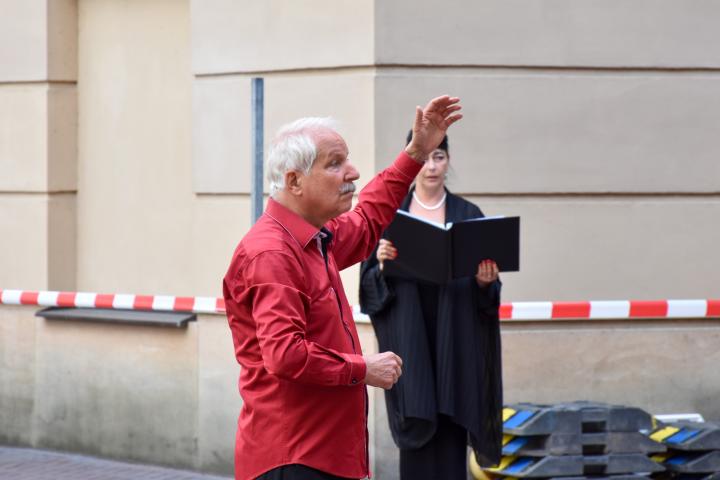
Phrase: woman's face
x=433 y=172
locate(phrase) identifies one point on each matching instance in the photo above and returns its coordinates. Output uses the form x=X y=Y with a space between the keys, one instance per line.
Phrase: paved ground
x=31 y=464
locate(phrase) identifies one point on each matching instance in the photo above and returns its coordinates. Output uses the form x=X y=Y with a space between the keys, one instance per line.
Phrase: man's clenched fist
x=383 y=369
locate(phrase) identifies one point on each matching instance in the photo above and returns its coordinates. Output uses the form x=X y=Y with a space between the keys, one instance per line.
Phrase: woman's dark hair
x=443 y=145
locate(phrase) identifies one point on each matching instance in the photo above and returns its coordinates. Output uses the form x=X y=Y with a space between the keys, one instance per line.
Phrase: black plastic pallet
x=575 y=465
x=627 y=476
x=688 y=436
x=690 y=462
x=602 y=443
x=686 y=476
x=573 y=418
x=697 y=476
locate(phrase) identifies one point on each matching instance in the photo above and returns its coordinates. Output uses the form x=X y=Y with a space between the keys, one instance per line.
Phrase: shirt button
x=354 y=381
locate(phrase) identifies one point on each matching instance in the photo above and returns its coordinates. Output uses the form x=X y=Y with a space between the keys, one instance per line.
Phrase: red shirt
x=304 y=400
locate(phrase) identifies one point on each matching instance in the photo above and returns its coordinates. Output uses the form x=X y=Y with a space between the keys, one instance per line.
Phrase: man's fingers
x=439 y=104
x=450 y=120
x=451 y=109
x=442 y=100
x=418 y=117
x=435 y=103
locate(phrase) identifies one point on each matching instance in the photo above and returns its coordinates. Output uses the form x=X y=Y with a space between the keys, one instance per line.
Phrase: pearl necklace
x=430 y=207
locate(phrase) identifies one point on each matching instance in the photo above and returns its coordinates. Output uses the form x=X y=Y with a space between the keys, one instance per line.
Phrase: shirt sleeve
x=357 y=232
x=278 y=309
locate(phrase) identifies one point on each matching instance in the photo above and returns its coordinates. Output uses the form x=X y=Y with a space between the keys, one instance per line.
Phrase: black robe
x=468 y=384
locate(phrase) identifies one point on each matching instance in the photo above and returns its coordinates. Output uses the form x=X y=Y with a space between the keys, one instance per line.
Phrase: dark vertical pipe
x=257 y=135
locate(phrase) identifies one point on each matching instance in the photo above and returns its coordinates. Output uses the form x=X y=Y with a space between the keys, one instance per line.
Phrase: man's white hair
x=293 y=148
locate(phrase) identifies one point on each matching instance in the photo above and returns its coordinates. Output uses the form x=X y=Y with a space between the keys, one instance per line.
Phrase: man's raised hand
x=430 y=125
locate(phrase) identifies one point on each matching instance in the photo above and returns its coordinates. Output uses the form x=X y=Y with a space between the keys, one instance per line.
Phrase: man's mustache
x=347 y=188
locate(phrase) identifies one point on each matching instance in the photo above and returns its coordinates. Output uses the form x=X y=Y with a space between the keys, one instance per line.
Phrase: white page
x=425 y=220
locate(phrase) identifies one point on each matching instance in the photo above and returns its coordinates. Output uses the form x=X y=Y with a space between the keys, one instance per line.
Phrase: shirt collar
x=296 y=226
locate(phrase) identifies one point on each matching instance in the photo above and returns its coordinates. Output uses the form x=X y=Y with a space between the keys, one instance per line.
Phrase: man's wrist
x=416 y=154
x=407 y=165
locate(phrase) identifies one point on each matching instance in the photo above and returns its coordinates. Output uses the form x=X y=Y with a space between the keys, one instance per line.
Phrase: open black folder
x=438 y=253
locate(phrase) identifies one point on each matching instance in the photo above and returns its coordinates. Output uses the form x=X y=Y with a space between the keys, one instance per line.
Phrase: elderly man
x=303 y=374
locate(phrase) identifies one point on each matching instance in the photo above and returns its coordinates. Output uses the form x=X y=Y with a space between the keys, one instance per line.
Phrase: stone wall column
x=38 y=187
x=38 y=144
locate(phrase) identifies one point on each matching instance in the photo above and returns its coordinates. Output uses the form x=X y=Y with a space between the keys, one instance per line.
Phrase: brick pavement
x=32 y=464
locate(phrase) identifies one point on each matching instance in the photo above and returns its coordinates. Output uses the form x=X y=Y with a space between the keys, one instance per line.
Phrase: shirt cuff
x=407 y=165
x=358 y=369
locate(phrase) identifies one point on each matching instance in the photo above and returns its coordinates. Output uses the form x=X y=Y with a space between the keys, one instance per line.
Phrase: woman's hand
x=487 y=273
x=386 y=251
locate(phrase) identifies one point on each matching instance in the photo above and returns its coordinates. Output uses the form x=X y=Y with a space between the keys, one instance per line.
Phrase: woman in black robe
x=450 y=392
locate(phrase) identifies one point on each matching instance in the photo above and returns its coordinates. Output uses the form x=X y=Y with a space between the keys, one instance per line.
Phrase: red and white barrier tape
x=611 y=309
x=619 y=309
x=163 y=303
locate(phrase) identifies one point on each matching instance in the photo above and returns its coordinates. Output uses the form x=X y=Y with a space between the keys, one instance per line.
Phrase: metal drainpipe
x=257 y=132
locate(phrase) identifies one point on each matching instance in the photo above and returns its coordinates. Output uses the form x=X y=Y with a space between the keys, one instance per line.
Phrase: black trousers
x=443 y=457
x=297 y=472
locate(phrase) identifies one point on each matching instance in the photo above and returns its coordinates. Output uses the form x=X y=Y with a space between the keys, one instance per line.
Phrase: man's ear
x=294 y=182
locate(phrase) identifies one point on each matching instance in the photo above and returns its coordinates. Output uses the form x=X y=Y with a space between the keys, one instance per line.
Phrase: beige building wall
x=38 y=184
x=163 y=136
x=38 y=144
x=548 y=33
x=135 y=203
x=595 y=123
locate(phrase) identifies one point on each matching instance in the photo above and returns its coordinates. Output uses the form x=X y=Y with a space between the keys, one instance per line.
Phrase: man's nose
x=352 y=173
